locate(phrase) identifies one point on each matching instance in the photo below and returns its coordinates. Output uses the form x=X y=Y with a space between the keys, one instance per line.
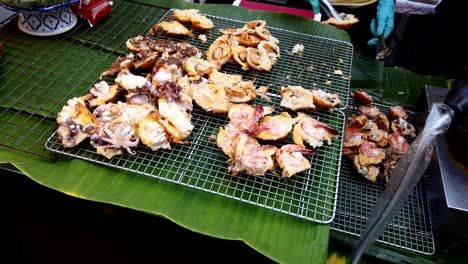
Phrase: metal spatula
x=410 y=168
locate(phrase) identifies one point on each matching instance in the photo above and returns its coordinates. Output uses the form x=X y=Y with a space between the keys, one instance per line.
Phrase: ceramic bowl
x=46 y=21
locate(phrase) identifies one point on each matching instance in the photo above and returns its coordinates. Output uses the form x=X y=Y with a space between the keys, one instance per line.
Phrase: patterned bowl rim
x=36 y=9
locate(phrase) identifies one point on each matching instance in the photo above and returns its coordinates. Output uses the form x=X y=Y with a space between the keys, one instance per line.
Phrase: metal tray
x=201 y=165
x=411 y=228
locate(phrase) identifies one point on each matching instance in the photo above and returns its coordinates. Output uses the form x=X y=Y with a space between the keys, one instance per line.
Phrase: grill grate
x=310 y=195
x=411 y=228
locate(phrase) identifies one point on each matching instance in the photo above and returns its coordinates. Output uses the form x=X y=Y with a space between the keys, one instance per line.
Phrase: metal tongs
x=412 y=165
x=330 y=10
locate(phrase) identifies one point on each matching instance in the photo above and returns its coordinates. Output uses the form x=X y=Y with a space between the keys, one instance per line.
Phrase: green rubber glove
x=383 y=25
x=315 y=6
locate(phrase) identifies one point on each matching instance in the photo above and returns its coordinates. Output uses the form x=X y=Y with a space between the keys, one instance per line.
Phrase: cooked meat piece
x=101 y=94
x=152 y=133
x=312 y=131
x=362 y=97
x=172 y=28
x=398 y=112
x=352 y=137
x=326 y=100
x=275 y=127
x=291 y=160
x=404 y=127
x=251 y=157
x=370 y=111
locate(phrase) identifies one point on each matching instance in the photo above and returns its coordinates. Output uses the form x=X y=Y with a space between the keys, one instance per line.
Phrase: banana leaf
x=282 y=238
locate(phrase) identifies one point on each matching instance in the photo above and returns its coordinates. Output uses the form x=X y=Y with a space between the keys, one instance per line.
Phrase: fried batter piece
x=172 y=28
x=326 y=100
x=291 y=160
x=312 y=131
x=76 y=123
x=297 y=98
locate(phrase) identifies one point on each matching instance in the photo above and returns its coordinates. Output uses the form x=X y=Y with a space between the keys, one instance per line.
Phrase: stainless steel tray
x=201 y=165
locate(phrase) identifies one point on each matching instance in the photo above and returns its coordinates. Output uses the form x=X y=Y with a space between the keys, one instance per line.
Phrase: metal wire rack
x=38 y=75
x=201 y=165
x=411 y=228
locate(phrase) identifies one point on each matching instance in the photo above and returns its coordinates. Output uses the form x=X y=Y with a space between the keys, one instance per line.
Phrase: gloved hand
x=315 y=6
x=384 y=23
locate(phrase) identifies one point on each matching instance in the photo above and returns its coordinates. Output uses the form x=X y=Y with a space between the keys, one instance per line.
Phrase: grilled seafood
x=129 y=81
x=212 y=98
x=369 y=154
x=326 y=100
x=165 y=71
x=312 y=131
x=251 y=157
x=152 y=134
x=275 y=127
x=352 y=138
x=76 y=123
x=370 y=111
x=239 y=54
x=101 y=94
x=113 y=138
x=172 y=28
x=245 y=117
x=248 y=40
x=219 y=54
x=290 y=159
x=296 y=98
x=398 y=112
x=193 y=16
x=124 y=63
x=259 y=59
x=404 y=127
x=227 y=138
x=198 y=67
x=175 y=121
x=140 y=43
x=271 y=48
x=362 y=97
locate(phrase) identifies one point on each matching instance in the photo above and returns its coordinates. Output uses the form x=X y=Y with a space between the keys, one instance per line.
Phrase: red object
x=274 y=8
x=92 y=10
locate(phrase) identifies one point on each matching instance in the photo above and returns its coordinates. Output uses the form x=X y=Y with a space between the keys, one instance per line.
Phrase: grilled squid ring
x=258 y=59
x=198 y=67
x=219 y=54
x=239 y=54
x=271 y=48
x=249 y=40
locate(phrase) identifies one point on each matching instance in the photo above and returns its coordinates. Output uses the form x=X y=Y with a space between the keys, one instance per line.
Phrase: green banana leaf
x=282 y=238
